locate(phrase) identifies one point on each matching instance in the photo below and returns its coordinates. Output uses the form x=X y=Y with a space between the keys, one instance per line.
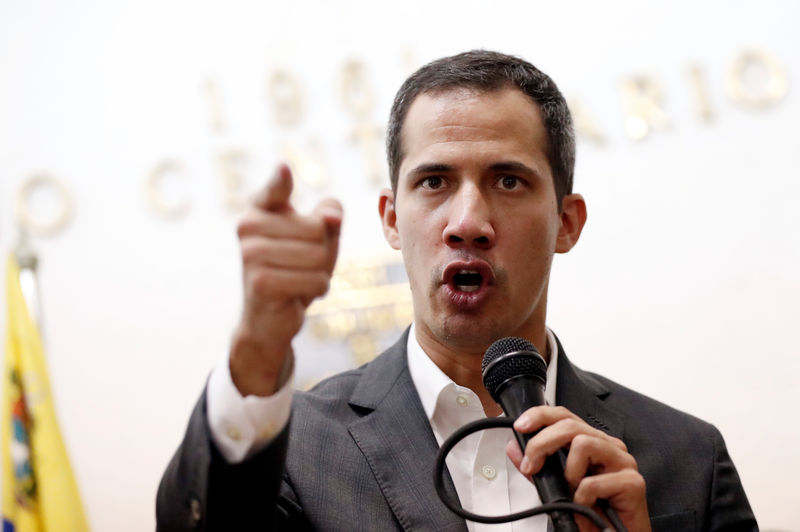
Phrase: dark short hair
x=489 y=71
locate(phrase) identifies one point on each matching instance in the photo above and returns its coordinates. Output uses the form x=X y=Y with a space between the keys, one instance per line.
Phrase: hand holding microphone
x=598 y=466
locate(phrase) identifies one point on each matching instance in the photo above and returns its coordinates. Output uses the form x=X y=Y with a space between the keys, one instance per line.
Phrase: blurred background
x=131 y=132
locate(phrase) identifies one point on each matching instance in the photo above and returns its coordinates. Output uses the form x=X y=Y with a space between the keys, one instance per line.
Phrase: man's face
x=476 y=218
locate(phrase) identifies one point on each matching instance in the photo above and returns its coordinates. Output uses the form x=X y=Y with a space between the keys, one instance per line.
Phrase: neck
x=464 y=366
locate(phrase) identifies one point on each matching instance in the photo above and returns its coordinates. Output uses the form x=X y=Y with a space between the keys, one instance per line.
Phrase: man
x=481 y=156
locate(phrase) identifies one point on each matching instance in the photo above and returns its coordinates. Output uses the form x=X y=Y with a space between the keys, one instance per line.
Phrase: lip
x=467 y=300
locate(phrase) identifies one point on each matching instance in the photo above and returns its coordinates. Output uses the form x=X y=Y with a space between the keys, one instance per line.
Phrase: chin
x=469 y=333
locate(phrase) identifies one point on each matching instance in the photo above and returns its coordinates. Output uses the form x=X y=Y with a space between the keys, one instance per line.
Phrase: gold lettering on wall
x=358 y=98
x=702 y=103
x=756 y=80
x=286 y=95
x=234 y=184
x=368 y=298
x=409 y=61
x=370 y=138
x=307 y=164
x=364 y=347
x=43 y=225
x=357 y=95
x=167 y=169
x=585 y=126
x=643 y=112
x=214 y=105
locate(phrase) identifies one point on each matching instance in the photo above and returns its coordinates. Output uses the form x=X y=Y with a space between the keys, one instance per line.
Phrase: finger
x=331 y=212
x=540 y=416
x=552 y=438
x=625 y=490
x=275 y=195
x=590 y=455
x=258 y=251
x=513 y=452
x=285 y=225
x=270 y=284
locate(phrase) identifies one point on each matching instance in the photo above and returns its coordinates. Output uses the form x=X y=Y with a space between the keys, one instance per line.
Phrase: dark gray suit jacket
x=359 y=453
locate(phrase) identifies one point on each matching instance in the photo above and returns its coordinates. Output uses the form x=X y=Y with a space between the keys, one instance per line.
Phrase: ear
x=573 y=216
x=386 y=209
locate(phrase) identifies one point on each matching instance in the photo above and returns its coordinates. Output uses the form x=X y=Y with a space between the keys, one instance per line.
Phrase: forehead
x=462 y=121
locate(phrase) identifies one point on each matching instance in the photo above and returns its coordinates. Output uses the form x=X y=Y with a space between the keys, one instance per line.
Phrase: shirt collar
x=430 y=381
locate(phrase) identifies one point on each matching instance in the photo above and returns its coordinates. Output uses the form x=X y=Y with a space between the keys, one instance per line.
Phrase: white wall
x=685 y=285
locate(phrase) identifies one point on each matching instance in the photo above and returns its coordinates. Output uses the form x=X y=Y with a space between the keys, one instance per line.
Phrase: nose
x=469 y=221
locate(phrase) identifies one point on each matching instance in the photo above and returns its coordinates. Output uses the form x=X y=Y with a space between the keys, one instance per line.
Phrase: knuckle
x=619 y=443
x=319 y=256
x=250 y=251
x=262 y=283
x=243 y=228
x=574 y=426
x=588 y=485
x=582 y=442
x=631 y=463
x=532 y=448
x=635 y=482
x=316 y=285
x=324 y=283
x=315 y=228
x=560 y=413
x=638 y=482
x=248 y=224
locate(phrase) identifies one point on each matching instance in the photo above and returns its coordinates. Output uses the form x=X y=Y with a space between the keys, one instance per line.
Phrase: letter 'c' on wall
x=156 y=180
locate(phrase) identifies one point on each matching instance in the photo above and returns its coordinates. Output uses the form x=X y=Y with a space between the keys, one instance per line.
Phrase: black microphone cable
x=455 y=506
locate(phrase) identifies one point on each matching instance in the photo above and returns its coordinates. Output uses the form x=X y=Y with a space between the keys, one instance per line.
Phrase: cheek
x=419 y=231
x=535 y=244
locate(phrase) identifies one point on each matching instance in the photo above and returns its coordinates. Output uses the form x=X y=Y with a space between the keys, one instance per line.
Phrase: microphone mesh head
x=511 y=357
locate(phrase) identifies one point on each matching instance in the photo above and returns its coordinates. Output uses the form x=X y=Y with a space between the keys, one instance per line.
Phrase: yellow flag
x=39 y=490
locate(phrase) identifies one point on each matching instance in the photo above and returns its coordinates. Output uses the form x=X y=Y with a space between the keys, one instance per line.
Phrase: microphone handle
x=549 y=481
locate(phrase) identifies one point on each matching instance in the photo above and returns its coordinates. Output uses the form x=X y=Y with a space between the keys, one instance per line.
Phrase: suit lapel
x=584 y=396
x=397 y=441
x=396 y=438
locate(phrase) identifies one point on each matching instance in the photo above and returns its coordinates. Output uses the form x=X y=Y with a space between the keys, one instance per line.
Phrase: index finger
x=540 y=416
x=275 y=195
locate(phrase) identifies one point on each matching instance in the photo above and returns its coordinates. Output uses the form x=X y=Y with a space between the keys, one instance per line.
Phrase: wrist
x=259 y=368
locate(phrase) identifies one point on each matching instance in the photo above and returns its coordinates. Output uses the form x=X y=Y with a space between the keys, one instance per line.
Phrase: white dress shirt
x=485 y=479
x=240 y=426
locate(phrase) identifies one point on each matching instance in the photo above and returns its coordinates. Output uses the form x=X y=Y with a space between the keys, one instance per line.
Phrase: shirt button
x=233 y=433
x=266 y=432
x=462 y=400
x=195 y=513
x=489 y=472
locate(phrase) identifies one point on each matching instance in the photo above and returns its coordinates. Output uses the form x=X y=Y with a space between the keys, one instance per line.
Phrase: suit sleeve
x=729 y=509
x=200 y=490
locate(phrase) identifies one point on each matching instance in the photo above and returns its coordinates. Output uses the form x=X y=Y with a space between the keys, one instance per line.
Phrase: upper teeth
x=471 y=287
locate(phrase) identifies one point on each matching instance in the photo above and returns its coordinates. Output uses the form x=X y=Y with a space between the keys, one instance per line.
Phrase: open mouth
x=467 y=277
x=467 y=280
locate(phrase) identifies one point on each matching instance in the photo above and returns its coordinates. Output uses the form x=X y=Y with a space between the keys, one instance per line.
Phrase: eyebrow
x=502 y=166
x=430 y=168
x=513 y=166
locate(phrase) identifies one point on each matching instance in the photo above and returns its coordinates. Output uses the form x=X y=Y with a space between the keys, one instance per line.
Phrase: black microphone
x=514 y=373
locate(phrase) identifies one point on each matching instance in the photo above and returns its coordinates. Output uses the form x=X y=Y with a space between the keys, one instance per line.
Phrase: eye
x=509 y=182
x=432 y=182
